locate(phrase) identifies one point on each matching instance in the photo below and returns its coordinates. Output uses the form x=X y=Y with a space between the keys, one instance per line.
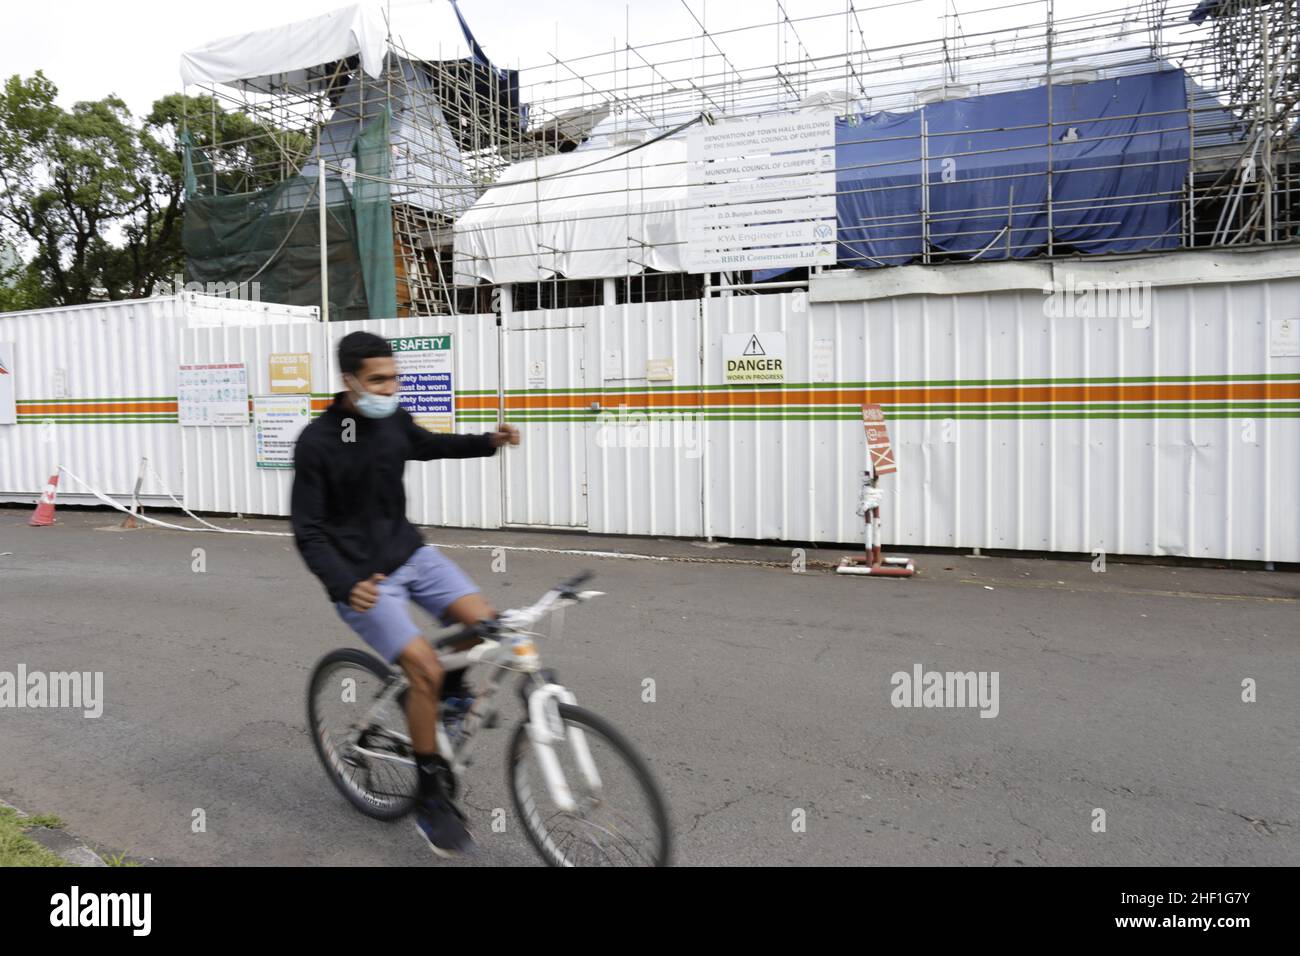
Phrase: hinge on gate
x=584 y=487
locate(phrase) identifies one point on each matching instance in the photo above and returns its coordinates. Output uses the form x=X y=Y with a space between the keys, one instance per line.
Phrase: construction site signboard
x=277 y=420
x=752 y=357
x=424 y=375
x=290 y=373
x=761 y=193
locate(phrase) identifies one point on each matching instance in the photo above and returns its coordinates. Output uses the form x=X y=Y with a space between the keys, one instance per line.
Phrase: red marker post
x=880 y=461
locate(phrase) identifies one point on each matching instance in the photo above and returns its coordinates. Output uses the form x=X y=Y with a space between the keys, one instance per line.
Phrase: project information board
x=761 y=193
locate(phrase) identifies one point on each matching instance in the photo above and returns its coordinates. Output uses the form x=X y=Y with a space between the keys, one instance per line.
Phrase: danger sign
x=753 y=357
x=878 y=447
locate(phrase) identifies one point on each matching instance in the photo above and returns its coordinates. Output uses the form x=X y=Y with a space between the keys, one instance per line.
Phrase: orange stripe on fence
x=96 y=408
x=1014 y=394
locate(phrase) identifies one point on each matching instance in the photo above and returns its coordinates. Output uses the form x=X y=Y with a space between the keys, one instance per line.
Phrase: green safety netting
x=272 y=237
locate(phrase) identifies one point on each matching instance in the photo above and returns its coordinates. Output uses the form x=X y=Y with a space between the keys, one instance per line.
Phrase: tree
x=99 y=197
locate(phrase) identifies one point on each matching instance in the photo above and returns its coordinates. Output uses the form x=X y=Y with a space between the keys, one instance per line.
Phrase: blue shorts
x=430 y=579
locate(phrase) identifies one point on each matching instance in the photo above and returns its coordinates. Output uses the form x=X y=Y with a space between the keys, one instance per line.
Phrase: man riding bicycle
x=349 y=521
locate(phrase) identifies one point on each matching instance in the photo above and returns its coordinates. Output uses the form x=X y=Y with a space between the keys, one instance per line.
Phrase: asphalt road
x=1119 y=691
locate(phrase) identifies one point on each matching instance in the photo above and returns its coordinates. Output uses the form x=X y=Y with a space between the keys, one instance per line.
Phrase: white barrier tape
x=209 y=527
x=113 y=504
x=165 y=524
x=167 y=491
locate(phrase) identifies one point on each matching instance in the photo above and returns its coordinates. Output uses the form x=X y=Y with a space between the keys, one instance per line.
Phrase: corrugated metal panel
x=221 y=472
x=545 y=363
x=96 y=391
x=1015 y=430
x=646 y=445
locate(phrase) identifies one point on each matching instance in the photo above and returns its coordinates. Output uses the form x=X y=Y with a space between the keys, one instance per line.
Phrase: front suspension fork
x=545 y=729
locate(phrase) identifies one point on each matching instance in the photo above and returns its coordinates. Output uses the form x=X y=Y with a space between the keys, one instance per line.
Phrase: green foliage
x=99 y=195
x=21 y=287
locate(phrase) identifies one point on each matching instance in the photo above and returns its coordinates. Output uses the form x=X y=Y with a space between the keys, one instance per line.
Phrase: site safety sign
x=752 y=357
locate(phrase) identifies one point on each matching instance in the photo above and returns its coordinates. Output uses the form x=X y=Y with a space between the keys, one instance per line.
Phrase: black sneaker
x=442 y=825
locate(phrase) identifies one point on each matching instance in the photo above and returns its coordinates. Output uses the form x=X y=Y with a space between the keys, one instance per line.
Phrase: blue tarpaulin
x=1119 y=164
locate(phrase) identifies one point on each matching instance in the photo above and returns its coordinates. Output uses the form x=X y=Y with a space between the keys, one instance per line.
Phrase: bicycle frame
x=511 y=649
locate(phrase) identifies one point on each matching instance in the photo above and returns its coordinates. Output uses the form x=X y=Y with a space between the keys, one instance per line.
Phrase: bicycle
x=372 y=764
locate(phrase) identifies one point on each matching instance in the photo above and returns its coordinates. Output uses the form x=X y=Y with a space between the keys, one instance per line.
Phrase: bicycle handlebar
x=561 y=592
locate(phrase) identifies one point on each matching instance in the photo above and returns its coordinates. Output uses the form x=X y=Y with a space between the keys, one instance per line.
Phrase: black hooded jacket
x=349 y=505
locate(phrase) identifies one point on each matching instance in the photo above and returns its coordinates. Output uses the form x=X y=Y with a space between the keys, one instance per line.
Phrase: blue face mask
x=375 y=406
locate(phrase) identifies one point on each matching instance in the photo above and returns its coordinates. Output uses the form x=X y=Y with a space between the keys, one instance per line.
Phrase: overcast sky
x=132 y=47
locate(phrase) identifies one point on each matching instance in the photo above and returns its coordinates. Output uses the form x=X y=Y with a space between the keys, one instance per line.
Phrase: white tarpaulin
x=427 y=168
x=283 y=56
x=588 y=214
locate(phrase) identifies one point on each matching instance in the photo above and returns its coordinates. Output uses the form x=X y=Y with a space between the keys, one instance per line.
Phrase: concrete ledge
x=1187 y=267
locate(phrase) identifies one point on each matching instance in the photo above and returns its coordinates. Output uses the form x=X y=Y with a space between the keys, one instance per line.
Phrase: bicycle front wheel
x=619 y=818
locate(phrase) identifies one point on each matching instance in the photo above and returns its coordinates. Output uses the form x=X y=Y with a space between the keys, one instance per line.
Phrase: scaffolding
x=415 y=142
x=1250 y=59
x=1209 y=161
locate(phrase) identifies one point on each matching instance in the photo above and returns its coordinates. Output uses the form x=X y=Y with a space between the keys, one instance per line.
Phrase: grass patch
x=48 y=820
x=16 y=848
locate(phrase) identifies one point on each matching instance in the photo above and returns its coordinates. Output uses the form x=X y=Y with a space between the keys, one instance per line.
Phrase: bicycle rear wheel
x=624 y=822
x=371 y=766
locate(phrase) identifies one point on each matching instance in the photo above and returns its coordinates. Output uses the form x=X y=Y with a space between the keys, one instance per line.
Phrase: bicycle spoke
x=600 y=831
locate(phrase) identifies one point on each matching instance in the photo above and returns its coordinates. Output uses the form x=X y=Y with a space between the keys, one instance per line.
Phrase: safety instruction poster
x=212 y=394
x=277 y=420
x=424 y=376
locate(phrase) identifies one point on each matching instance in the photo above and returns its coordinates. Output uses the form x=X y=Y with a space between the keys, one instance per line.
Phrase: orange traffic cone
x=44 y=514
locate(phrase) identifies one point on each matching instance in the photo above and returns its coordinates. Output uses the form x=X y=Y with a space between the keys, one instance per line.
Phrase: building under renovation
x=1017 y=133
x=1053 y=245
